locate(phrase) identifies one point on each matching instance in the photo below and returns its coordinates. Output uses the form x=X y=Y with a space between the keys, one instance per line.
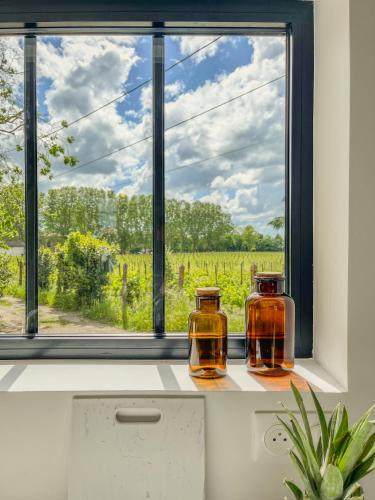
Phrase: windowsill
x=150 y=376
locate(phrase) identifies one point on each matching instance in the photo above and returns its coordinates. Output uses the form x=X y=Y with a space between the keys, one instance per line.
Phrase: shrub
x=45 y=265
x=84 y=264
x=5 y=272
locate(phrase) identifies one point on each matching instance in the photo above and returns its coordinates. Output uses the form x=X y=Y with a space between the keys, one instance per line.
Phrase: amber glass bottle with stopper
x=269 y=315
x=207 y=336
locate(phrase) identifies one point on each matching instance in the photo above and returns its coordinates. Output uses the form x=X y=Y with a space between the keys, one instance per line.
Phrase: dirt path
x=51 y=320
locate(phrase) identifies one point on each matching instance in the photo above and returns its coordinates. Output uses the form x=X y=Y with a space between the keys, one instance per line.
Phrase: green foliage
x=277 y=222
x=5 y=272
x=195 y=227
x=11 y=211
x=45 y=267
x=84 y=264
x=71 y=209
x=331 y=468
x=134 y=223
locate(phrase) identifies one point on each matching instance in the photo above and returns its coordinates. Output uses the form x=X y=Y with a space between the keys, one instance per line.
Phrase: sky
x=232 y=155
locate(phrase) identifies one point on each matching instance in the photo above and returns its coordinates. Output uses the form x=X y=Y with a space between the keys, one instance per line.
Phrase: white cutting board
x=116 y=454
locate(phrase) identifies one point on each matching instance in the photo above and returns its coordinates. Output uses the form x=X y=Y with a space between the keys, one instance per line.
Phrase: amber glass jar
x=269 y=316
x=207 y=336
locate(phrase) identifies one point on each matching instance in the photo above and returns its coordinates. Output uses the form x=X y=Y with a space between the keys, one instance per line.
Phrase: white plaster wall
x=331 y=184
x=362 y=201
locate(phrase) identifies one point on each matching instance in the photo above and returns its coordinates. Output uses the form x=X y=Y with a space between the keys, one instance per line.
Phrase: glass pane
x=95 y=226
x=225 y=168
x=12 y=210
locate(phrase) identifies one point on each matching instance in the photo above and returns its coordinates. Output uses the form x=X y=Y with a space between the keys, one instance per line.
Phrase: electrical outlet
x=270 y=442
x=276 y=440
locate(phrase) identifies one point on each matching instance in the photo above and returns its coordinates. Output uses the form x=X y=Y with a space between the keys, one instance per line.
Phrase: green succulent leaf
x=355 y=448
x=332 y=485
x=307 y=451
x=369 y=447
x=362 y=469
x=322 y=421
x=302 y=409
x=354 y=489
x=305 y=476
x=298 y=495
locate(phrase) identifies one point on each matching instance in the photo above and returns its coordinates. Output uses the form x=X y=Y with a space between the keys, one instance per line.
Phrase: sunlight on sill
x=150 y=376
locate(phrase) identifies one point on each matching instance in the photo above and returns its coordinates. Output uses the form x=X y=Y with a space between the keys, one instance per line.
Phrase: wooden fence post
x=253 y=271
x=181 y=275
x=145 y=269
x=241 y=267
x=124 y=296
x=216 y=266
x=188 y=267
x=20 y=271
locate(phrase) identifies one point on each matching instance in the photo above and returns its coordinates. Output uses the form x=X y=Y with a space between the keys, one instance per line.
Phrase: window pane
x=95 y=183
x=12 y=212
x=225 y=168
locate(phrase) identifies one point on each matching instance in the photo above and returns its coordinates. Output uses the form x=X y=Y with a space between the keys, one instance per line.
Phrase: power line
x=226 y=153
x=124 y=94
x=198 y=162
x=115 y=151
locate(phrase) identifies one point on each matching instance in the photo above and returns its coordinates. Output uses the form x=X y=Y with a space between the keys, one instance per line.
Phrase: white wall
x=344 y=199
x=362 y=201
x=33 y=457
x=331 y=185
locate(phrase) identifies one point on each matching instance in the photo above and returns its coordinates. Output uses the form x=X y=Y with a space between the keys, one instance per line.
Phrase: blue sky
x=79 y=74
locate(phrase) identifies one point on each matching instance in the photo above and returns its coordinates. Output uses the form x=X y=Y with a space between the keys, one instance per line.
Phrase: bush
x=84 y=264
x=46 y=265
x=5 y=272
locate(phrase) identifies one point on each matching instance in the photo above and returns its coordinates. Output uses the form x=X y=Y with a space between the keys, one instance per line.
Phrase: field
x=231 y=271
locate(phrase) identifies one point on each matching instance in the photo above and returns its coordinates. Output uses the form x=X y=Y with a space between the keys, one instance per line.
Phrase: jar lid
x=209 y=291
x=269 y=276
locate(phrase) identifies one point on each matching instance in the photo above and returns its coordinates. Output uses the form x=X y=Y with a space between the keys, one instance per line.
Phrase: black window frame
x=160 y=17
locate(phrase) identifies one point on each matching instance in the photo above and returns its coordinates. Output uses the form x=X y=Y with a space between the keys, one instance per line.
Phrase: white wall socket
x=270 y=442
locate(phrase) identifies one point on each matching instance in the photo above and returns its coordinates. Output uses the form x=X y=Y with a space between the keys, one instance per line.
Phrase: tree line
x=127 y=221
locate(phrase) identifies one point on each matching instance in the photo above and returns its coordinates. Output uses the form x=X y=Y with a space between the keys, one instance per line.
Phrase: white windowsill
x=87 y=376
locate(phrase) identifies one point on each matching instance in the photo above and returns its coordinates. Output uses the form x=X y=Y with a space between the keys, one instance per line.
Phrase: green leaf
x=298 y=495
x=362 y=469
x=332 y=485
x=306 y=451
x=355 y=448
x=322 y=421
x=354 y=489
x=369 y=448
x=331 y=433
x=302 y=409
x=301 y=464
x=305 y=476
x=344 y=425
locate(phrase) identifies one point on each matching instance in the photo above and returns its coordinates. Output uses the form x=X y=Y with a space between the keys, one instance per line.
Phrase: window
x=159 y=158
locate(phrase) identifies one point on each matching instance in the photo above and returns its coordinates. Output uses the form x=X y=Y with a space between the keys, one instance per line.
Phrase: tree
x=84 y=264
x=70 y=209
x=134 y=223
x=11 y=123
x=250 y=238
x=277 y=223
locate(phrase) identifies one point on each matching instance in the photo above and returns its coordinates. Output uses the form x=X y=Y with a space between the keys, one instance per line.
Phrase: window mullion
x=158 y=255
x=31 y=185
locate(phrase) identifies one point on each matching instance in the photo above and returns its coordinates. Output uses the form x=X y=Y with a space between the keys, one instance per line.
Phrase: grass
x=185 y=272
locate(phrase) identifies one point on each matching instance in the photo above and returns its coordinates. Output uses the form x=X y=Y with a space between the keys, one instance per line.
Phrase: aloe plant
x=330 y=466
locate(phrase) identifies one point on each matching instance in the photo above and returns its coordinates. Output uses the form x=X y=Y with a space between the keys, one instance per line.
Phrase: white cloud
x=190 y=44
x=87 y=72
